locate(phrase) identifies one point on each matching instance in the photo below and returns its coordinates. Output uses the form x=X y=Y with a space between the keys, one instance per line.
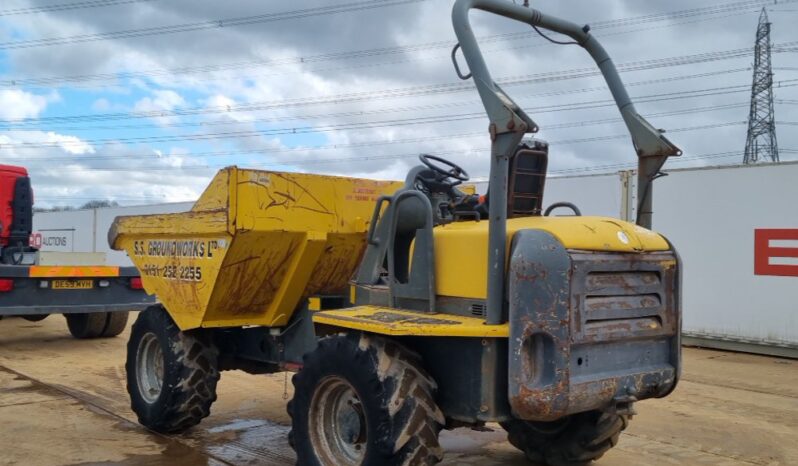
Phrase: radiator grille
x=622 y=295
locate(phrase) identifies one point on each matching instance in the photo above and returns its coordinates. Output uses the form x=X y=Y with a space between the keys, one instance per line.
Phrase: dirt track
x=63 y=401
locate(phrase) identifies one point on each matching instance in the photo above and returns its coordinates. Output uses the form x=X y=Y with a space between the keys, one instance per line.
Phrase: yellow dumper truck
x=406 y=308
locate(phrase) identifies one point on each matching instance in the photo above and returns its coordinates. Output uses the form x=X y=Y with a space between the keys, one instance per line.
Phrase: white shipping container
x=68 y=231
x=87 y=230
x=711 y=216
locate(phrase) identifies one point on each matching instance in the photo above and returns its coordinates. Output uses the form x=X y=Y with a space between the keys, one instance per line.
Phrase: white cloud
x=162 y=99
x=101 y=105
x=13 y=144
x=70 y=144
x=17 y=104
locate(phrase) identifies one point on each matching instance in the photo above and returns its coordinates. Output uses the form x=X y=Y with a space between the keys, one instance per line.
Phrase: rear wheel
x=85 y=326
x=115 y=324
x=364 y=400
x=575 y=440
x=96 y=324
x=171 y=375
x=35 y=317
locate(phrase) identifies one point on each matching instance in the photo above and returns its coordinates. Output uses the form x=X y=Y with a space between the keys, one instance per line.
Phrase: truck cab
x=16 y=212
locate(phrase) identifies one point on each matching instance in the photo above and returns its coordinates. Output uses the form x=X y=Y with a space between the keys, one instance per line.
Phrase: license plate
x=73 y=284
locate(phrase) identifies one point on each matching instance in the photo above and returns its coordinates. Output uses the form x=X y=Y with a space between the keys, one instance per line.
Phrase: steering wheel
x=454 y=171
x=556 y=205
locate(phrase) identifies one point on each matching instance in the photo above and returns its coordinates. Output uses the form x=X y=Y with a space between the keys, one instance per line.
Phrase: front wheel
x=575 y=440
x=364 y=400
x=171 y=375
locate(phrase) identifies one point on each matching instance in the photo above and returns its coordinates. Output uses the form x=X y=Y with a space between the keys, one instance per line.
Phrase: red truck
x=95 y=299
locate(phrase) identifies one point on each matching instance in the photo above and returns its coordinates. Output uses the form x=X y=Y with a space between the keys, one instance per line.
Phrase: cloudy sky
x=141 y=101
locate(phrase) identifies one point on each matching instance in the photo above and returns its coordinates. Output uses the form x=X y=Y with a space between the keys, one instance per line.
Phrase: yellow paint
x=314 y=303
x=257 y=243
x=387 y=321
x=38 y=271
x=469 y=189
x=253 y=246
x=461 y=248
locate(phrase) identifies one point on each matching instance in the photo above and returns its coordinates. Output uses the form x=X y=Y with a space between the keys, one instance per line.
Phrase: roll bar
x=509 y=124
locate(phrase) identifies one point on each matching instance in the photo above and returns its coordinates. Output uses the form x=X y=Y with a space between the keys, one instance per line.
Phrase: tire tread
x=410 y=417
x=191 y=398
x=584 y=439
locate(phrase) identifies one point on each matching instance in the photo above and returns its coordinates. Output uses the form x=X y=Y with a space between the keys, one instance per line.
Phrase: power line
x=349 y=126
x=68 y=6
x=442 y=88
x=205 y=25
x=548 y=128
x=350 y=67
x=389 y=157
x=587 y=105
x=368 y=53
x=568 y=172
x=381 y=111
x=364 y=113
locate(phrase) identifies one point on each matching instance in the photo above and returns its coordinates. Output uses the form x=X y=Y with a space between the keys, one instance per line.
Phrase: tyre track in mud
x=67 y=393
x=234 y=452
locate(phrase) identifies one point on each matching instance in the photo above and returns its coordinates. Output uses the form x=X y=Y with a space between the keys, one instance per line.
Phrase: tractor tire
x=85 y=326
x=575 y=440
x=364 y=400
x=171 y=375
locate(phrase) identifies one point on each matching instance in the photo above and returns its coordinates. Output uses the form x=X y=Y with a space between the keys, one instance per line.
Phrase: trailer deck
x=32 y=290
x=64 y=402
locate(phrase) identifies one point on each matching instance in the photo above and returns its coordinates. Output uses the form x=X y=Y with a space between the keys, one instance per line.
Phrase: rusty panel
x=588 y=330
x=539 y=274
x=621 y=296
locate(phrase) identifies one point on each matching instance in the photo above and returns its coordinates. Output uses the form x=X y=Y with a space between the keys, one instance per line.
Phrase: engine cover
x=589 y=330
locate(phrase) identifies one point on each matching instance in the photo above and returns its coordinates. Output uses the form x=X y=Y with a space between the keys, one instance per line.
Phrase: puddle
x=174 y=454
x=247 y=442
x=466 y=440
x=238 y=424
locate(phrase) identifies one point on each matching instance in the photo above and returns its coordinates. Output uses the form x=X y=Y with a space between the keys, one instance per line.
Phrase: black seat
x=527 y=179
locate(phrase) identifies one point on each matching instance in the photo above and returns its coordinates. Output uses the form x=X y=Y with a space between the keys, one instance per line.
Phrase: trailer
x=94 y=298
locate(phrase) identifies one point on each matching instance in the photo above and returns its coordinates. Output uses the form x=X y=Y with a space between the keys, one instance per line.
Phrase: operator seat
x=527 y=179
x=525 y=186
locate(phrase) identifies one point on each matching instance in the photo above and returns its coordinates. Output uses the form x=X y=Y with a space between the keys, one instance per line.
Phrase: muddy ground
x=63 y=402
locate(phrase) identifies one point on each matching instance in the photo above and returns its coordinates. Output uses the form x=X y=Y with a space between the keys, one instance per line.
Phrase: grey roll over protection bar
x=509 y=124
